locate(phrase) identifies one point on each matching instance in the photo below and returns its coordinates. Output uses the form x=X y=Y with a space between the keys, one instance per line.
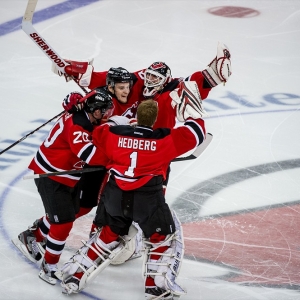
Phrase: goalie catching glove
x=81 y=71
x=187 y=101
x=219 y=70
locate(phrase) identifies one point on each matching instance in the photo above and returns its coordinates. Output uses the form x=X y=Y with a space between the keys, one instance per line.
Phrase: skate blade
x=46 y=278
x=23 y=250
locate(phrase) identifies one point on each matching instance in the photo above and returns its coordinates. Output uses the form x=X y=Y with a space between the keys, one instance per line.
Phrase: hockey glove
x=219 y=70
x=81 y=71
x=187 y=101
x=71 y=102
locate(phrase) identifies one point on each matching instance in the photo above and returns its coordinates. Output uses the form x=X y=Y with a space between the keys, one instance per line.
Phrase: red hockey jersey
x=137 y=154
x=67 y=146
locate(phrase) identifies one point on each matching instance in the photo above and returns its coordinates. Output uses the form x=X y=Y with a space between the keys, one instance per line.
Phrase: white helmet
x=155 y=78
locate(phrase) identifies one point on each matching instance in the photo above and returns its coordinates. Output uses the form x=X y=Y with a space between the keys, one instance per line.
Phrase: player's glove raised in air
x=71 y=102
x=81 y=71
x=219 y=70
x=187 y=101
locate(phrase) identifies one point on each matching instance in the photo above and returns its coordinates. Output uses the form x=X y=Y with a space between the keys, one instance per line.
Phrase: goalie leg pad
x=165 y=270
x=81 y=263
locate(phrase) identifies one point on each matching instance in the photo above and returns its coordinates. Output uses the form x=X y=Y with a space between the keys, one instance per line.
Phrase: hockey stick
x=63 y=173
x=41 y=42
x=199 y=150
x=27 y=135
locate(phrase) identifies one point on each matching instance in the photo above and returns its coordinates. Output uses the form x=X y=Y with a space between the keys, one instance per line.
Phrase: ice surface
x=239 y=202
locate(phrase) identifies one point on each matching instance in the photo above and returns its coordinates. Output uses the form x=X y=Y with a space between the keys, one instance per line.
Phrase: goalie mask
x=155 y=78
x=99 y=98
x=118 y=75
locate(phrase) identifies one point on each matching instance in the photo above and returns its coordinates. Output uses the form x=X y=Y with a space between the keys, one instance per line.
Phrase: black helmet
x=98 y=98
x=118 y=75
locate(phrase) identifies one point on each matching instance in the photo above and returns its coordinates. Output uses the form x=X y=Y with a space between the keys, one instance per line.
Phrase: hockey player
x=138 y=159
x=124 y=87
x=67 y=146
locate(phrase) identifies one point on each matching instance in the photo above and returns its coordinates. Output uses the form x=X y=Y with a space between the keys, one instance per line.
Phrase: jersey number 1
x=133 y=160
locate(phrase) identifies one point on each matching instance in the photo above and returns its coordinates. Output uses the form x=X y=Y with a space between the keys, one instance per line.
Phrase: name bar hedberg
x=136 y=144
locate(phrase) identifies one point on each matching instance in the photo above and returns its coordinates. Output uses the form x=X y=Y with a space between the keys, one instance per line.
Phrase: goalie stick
x=199 y=150
x=28 y=28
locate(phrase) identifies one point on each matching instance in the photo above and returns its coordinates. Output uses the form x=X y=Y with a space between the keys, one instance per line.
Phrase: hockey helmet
x=99 y=98
x=155 y=78
x=118 y=75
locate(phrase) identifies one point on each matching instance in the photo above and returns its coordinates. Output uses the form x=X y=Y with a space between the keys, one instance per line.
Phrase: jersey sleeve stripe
x=45 y=165
x=85 y=151
x=197 y=130
x=88 y=153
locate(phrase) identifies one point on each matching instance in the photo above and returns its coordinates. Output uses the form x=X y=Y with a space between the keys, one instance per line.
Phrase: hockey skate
x=70 y=286
x=49 y=272
x=27 y=244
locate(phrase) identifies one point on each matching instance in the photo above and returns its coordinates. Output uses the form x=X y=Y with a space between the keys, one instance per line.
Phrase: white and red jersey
x=67 y=146
x=135 y=155
x=166 y=113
